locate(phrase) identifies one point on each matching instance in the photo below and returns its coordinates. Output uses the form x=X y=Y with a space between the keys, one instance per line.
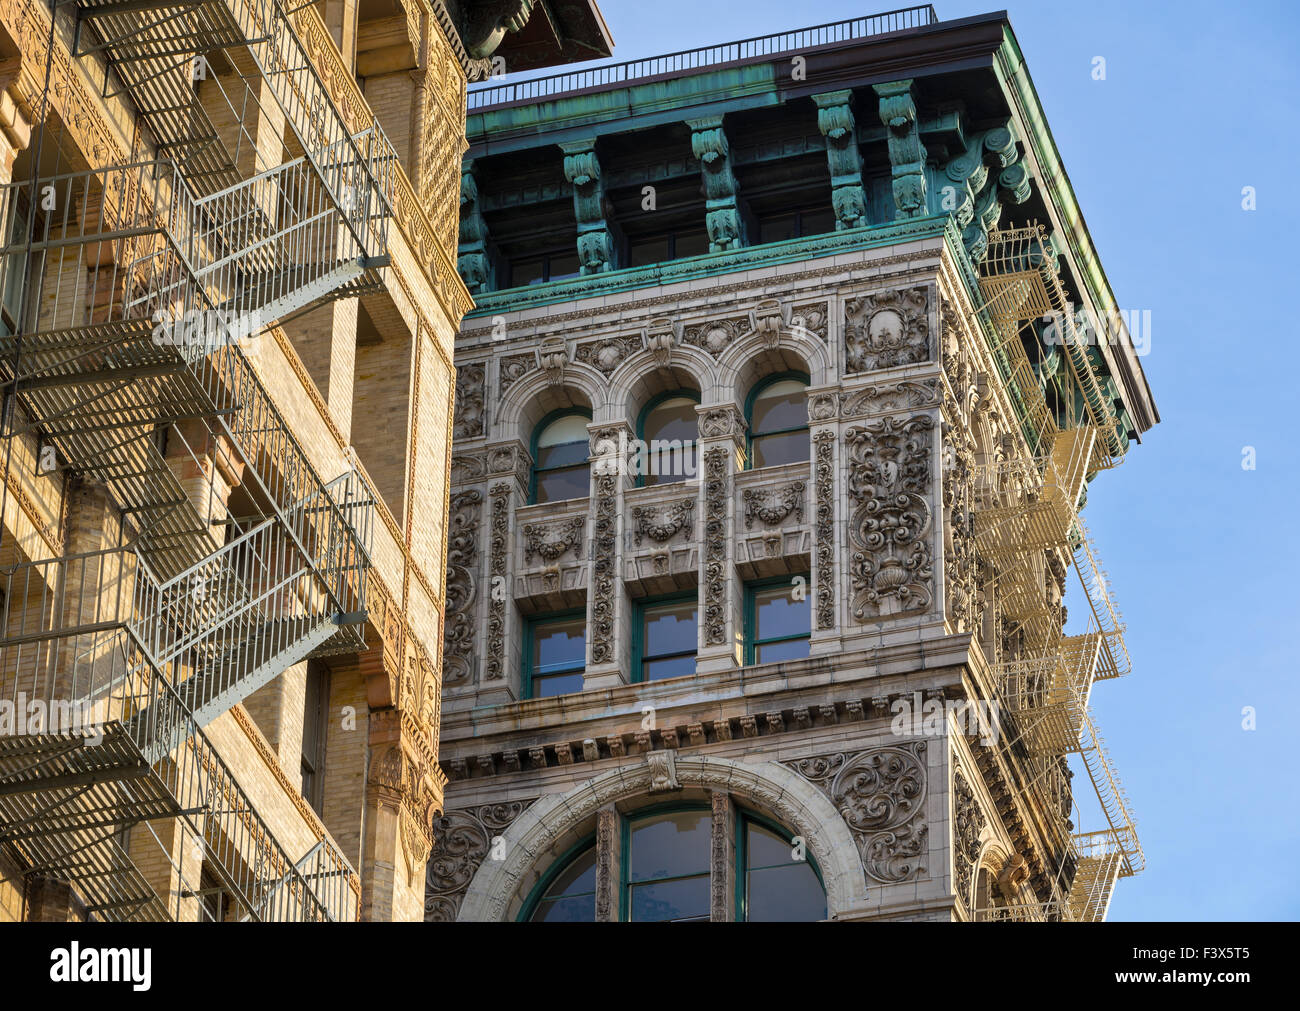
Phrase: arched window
x=669 y=428
x=560 y=457
x=667 y=865
x=777 y=412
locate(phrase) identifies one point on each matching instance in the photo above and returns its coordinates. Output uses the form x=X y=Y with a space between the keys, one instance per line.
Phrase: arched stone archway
x=499 y=888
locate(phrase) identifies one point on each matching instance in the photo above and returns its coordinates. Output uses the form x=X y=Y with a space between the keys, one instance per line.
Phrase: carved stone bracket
x=906 y=152
x=835 y=120
x=723 y=221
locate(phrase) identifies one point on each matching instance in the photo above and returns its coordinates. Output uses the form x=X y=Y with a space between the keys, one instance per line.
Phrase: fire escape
x=134 y=360
x=1027 y=524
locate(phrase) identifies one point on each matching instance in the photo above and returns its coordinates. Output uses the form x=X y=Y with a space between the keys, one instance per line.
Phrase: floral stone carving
x=773 y=505
x=887 y=329
x=461 y=842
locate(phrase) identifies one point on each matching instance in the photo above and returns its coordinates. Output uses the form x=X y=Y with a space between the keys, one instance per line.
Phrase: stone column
x=609 y=857
x=721 y=455
x=722 y=870
x=508 y=467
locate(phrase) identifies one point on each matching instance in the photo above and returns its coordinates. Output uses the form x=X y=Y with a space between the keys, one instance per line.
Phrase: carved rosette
x=662 y=523
x=968 y=823
x=880 y=794
x=717 y=491
x=886 y=329
x=552 y=541
x=891 y=560
x=608 y=354
x=773 y=505
x=716 y=336
x=824 y=525
x=498 y=566
x=470 y=379
x=462 y=840
x=462 y=585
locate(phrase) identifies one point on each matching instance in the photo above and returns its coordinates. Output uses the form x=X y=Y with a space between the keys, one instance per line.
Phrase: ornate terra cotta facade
x=835 y=616
x=230 y=303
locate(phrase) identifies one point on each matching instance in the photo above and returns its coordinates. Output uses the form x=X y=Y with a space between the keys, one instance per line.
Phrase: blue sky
x=1199 y=101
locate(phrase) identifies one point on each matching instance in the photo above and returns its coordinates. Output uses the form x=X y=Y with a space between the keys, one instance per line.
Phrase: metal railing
x=76 y=635
x=688 y=60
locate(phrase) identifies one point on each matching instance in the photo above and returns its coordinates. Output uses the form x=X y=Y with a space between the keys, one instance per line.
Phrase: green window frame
x=574 y=890
x=643 y=477
x=752 y=399
x=754 y=593
x=529 y=677
x=533 y=449
x=643 y=653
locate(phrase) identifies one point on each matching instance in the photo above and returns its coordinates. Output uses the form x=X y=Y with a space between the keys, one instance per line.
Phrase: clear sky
x=1199 y=100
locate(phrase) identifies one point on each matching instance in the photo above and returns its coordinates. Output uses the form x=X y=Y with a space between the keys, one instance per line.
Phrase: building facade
x=791 y=368
x=229 y=308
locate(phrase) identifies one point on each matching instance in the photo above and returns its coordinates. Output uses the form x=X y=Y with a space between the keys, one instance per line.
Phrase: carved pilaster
x=824 y=529
x=607 y=602
x=722 y=864
x=722 y=433
x=608 y=863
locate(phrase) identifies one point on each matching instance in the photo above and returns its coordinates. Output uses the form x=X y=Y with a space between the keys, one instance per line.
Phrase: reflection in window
x=778 y=423
x=667 y=867
x=540 y=269
x=571 y=897
x=796 y=224
x=779 y=620
x=556 y=657
x=560 y=467
x=669 y=428
x=668 y=639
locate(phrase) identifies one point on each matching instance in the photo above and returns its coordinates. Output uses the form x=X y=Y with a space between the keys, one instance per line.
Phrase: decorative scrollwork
x=662 y=523
x=553 y=540
x=887 y=329
x=461 y=842
x=773 y=505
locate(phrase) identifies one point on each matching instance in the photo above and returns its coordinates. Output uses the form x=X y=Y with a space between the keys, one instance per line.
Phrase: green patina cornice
x=1017 y=85
x=725 y=262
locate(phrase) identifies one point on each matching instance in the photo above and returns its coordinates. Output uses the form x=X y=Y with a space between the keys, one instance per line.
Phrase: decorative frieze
x=661 y=523
x=886 y=329
x=891 y=560
x=771 y=506
x=552 y=541
x=462 y=840
x=880 y=794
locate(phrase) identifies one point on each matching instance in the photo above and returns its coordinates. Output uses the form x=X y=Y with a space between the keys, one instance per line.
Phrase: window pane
x=779 y=407
x=674 y=667
x=674 y=418
x=789 y=894
x=670 y=628
x=580 y=909
x=647 y=251
x=775 y=652
x=558 y=485
x=816 y=222
x=556 y=684
x=776 y=228
x=777 y=613
x=563 y=266
x=764 y=848
x=687 y=899
x=670 y=431
x=669 y=845
x=525 y=272
x=691 y=244
x=788 y=447
x=578 y=878
x=564 y=454
x=559 y=645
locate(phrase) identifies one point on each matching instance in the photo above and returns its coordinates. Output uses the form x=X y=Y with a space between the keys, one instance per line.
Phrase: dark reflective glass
x=563 y=455
x=776 y=652
x=691 y=244
x=684 y=899
x=790 y=894
x=556 y=684
x=778 y=228
x=579 y=909
x=559 y=645
x=558 y=485
x=670 y=628
x=645 y=251
x=563 y=266
x=777 y=613
x=526 y=272
x=674 y=420
x=764 y=848
x=673 y=667
x=669 y=846
x=784 y=408
x=816 y=222
x=571 y=897
x=787 y=447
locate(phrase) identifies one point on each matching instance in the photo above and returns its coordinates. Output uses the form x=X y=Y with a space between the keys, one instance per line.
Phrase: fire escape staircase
x=163 y=274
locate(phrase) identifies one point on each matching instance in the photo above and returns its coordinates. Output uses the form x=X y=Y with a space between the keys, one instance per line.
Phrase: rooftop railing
x=673 y=64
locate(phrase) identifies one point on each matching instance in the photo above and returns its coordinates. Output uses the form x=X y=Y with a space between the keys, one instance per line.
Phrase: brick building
x=229 y=302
